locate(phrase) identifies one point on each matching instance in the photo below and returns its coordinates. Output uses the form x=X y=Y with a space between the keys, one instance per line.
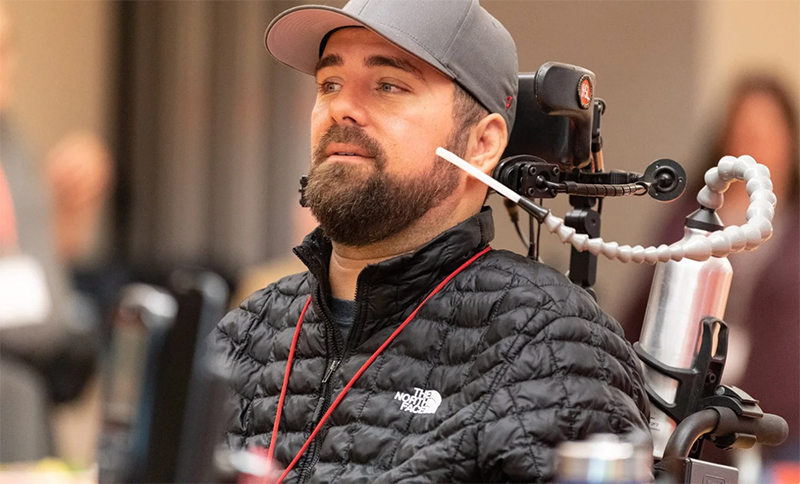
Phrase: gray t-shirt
x=344 y=313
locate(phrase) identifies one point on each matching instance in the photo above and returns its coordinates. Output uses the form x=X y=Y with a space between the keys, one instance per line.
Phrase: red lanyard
x=355 y=377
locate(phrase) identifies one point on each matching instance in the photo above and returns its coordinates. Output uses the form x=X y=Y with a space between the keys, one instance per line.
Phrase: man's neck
x=347 y=262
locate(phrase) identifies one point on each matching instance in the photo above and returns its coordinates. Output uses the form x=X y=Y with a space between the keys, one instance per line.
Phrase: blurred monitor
x=162 y=412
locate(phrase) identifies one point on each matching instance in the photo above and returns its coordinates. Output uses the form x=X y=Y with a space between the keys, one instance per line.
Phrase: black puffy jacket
x=508 y=360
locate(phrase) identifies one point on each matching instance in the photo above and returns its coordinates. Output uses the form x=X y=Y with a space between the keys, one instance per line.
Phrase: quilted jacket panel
x=521 y=358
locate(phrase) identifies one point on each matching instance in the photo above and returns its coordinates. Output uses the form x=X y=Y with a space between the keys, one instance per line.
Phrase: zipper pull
x=334 y=364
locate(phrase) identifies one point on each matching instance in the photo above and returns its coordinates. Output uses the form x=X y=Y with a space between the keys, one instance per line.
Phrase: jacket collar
x=393 y=287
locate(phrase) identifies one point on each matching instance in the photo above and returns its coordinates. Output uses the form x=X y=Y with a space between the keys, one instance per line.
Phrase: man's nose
x=348 y=107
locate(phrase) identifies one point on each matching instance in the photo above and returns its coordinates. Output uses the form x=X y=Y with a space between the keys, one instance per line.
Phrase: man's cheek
x=405 y=139
x=319 y=124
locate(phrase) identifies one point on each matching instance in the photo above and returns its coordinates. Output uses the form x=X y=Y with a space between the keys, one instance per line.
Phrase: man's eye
x=390 y=88
x=328 y=87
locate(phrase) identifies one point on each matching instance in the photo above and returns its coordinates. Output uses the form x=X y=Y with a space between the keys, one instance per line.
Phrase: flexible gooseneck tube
x=732 y=239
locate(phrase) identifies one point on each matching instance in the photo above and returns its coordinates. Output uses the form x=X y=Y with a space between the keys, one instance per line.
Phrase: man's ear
x=488 y=139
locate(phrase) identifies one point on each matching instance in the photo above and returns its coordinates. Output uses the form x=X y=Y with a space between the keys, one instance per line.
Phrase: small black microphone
x=303 y=185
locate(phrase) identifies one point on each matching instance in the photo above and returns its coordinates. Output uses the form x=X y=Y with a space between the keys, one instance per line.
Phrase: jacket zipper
x=308 y=461
x=327 y=387
x=334 y=364
x=306 y=465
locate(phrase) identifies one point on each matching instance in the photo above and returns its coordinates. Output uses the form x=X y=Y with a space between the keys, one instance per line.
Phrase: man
x=426 y=356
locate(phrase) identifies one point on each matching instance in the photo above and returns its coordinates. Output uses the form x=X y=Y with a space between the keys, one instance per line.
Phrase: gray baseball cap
x=457 y=37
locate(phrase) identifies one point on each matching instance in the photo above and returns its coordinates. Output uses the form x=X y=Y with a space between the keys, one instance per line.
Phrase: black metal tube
x=768 y=429
x=688 y=431
x=599 y=190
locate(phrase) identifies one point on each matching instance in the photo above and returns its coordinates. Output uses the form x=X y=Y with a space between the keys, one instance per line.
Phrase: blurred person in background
x=79 y=175
x=47 y=337
x=763 y=306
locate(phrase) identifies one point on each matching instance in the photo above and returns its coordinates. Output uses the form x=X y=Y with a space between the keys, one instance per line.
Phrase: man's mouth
x=346 y=151
x=347 y=145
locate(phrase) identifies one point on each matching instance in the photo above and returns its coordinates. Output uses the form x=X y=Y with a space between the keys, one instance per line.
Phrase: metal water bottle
x=682 y=294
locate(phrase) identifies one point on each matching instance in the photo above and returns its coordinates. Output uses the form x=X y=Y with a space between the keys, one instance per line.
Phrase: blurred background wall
x=65 y=68
x=210 y=134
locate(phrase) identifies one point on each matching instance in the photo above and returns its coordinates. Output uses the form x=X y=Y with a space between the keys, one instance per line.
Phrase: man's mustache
x=351 y=135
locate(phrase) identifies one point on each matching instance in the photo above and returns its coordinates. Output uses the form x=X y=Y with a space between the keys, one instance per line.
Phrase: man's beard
x=356 y=212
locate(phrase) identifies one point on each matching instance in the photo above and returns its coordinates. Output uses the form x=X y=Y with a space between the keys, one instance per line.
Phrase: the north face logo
x=422 y=401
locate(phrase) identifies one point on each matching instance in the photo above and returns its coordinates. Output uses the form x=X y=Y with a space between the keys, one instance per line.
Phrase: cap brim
x=294 y=37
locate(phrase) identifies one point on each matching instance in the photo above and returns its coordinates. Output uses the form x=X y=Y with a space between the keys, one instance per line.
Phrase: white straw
x=493 y=184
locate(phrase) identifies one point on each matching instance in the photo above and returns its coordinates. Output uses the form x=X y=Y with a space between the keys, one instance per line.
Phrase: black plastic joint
x=704 y=219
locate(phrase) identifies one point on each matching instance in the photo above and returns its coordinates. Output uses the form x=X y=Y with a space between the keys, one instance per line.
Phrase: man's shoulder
x=525 y=270
x=281 y=292
x=540 y=292
x=278 y=296
x=522 y=274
